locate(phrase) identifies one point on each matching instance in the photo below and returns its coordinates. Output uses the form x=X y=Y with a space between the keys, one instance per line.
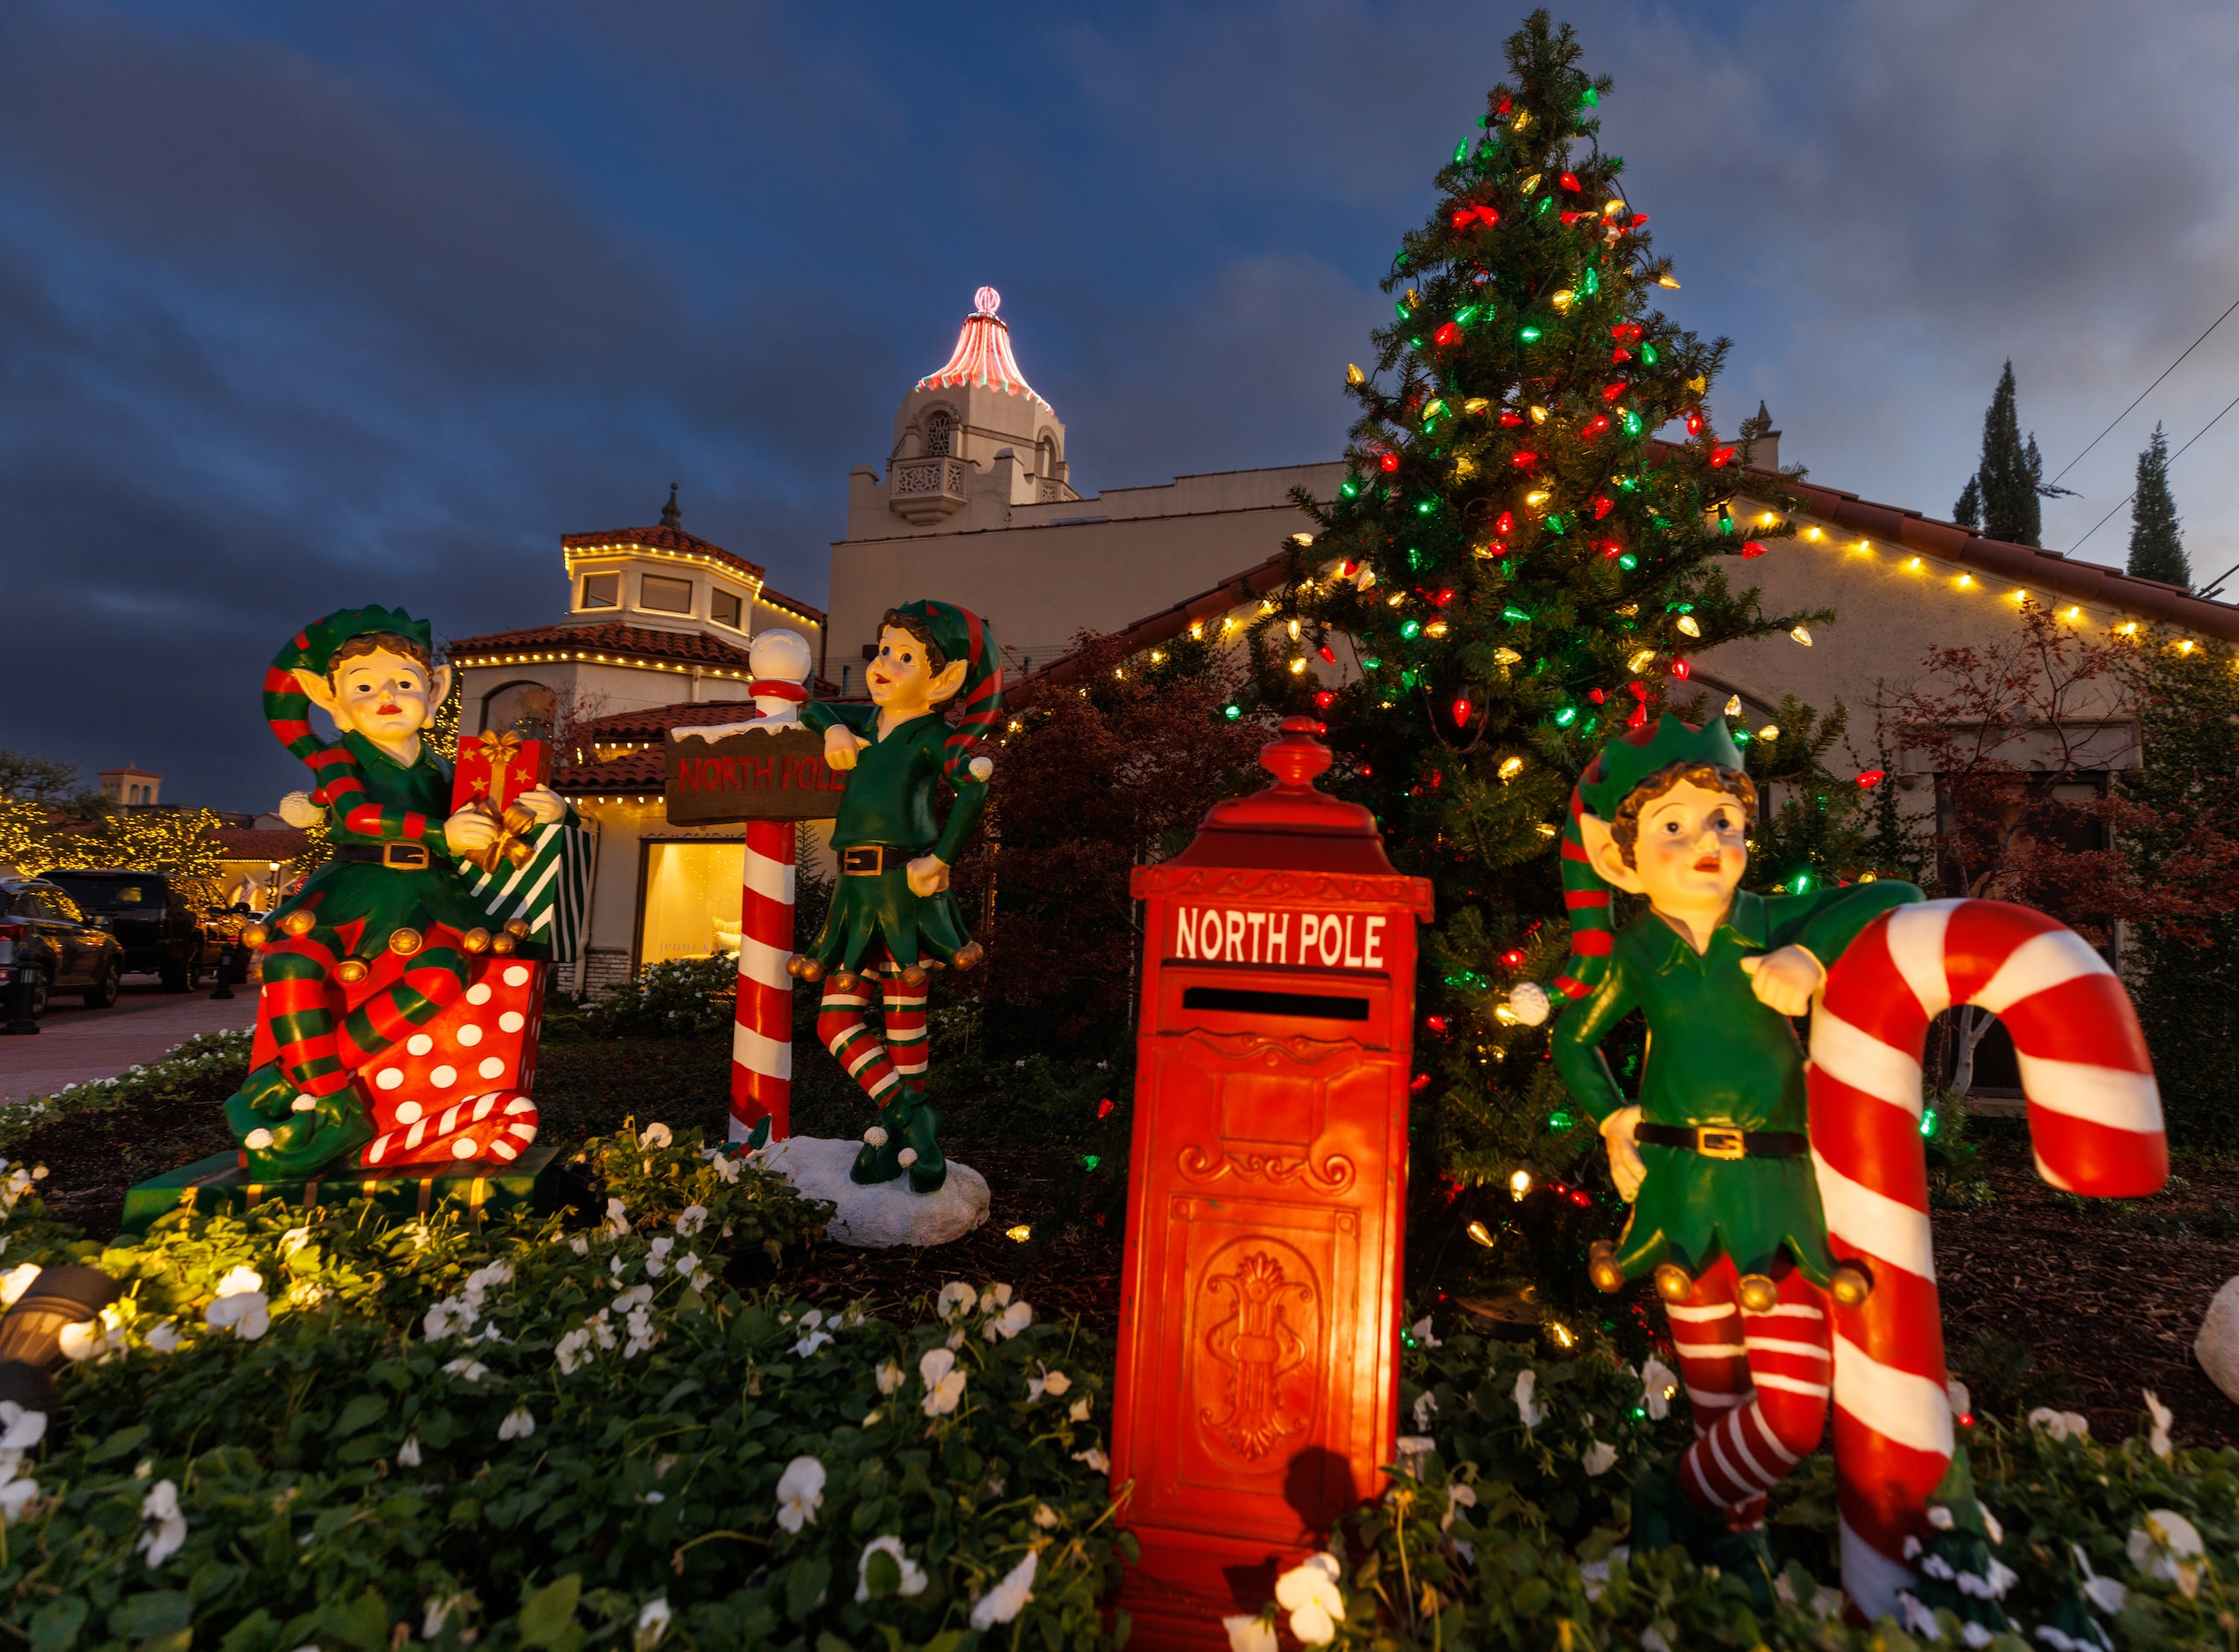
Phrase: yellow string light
x=1297 y=666
x=1965 y=580
x=1733 y=706
x=1771 y=731
x=1688 y=627
x=1510 y=767
x=1802 y=634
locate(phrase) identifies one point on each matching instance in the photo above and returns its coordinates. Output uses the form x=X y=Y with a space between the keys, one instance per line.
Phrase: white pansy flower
x=913 y=1575
x=1597 y=1458
x=656 y=1260
x=246 y=1313
x=1461 y=1494
x=955 y=1298
x=1045 y=1516
x=1308 y=1591
x=690 y=1219
x=1527 y=1384
x=1008 y=1323
x=519 y=1424
x=1053 y=1383
x=1098 y=1463
x=888 y=1377
x=240 y=1281
x=293 y=1240
x=1080 y=1409
x=618 y=1220
x=408 y=1453
x=1007 y=1599
x=2157 y=1440
x=656 y=1135
x=812 y=1335
x=1426 y=1407
x=163 y=1527
x=944 y=1382
x=2108 y=1594
x=1248 y=1634
x=2061 y=1425
x=103 y=1333
x=1421 y=1332
x=1659 y=1384
x=447 y=1318
x=2165 y=1549
x=653 y=1619
x=725 y=1166
x=800 y=1492
x=465 y=1369
x=16 y=1281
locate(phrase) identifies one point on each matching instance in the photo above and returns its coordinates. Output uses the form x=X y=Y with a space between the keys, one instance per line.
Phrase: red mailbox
x=1258 y=1387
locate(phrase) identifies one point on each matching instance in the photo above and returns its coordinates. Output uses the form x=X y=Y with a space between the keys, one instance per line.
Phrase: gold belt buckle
x=1714 y=1143
x=405 y=856
x=861 y=863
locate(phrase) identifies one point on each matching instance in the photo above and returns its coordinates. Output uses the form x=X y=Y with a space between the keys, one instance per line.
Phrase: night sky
x=308 y=306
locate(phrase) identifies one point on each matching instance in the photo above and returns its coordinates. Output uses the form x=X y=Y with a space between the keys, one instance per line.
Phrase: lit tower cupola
x=974 y=430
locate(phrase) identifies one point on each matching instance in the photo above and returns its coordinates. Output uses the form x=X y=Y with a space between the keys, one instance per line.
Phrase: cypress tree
x=2156 y=548
x=2006 y=481
x=1968 y=512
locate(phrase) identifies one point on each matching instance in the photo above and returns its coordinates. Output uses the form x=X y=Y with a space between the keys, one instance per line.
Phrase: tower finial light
x=985 y=301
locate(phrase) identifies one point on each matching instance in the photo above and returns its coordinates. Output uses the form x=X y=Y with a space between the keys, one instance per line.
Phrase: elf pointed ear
x=1603 y=854
x=944 y=687
x=439 y=690
x=316 y=688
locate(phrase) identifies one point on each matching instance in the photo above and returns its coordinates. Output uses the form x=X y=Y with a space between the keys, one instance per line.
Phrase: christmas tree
x=1521 y=570
x=2156 y=547
x=2005 y=486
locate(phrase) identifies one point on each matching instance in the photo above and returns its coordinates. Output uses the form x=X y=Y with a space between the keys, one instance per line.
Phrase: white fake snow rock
x=2217 y=1346
x=884 y=1215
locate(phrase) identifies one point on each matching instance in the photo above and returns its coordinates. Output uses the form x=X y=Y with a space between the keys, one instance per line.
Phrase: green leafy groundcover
x=304 y=1430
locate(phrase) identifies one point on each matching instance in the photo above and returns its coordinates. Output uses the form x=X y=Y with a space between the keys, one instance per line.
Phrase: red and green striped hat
x=963 y=635
x=1609 y=779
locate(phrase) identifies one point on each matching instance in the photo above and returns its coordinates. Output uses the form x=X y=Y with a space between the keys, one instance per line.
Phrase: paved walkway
x=74 y=1044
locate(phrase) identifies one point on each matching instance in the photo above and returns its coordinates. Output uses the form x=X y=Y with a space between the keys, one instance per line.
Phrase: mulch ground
x=2046 y=1300
x=2104 y=1305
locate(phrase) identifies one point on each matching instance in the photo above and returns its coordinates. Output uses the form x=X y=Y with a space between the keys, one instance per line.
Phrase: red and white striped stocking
x=1756 y=1383
x=906 y=1024
x=840 y=1024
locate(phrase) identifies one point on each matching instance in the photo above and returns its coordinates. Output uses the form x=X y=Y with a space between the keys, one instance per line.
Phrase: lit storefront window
x=691 y=901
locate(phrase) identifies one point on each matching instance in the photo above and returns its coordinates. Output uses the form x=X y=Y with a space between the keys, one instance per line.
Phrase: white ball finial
x=784 y=655
x=986 y=301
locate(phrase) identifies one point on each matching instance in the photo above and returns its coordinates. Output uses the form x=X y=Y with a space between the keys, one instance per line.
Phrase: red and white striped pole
x=762 y=1025
x=2095 y=1121
x=762 y=1037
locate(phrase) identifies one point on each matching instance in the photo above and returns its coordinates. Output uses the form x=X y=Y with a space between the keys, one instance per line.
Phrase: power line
x=2148 y=391
x=2173 y=459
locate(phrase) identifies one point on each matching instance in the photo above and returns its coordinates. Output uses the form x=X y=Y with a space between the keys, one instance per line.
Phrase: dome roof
x=983 y=358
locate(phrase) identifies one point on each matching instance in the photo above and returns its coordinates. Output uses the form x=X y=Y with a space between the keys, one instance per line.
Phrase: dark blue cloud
x=302 y=306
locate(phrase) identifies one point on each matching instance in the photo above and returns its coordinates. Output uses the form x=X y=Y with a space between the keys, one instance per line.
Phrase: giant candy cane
x=2094 y=1121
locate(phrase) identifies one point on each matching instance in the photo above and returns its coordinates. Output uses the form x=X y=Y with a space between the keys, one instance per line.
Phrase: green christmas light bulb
x=1530 y=335
x=1410 y=629
x=1566 y=716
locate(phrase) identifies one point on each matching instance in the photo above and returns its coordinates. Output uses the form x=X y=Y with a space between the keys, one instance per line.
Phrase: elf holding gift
x=892 y=913
x=1714 y=1154
x=391 y=884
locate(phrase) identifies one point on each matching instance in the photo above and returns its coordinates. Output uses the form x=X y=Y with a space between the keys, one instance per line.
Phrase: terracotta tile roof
x=252 y=843
x=2025 y=565
x=636 y=775
x=658 y=539
x=652 y=721
x=778 y=599
x=612 y=638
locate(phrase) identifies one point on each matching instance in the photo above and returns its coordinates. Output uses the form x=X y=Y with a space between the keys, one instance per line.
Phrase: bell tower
x=973 y=434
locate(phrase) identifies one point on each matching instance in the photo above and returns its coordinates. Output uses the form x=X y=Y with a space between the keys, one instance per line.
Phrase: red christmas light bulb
x=1620 y=354
x=1611 y=392
x=1603 y=506
x=1750 y=548
x=1327 y=655
x=1722 y=456
x=1504 y=525
x=1442 y=598
x=1104 y=1108
x=1436 y=1023
x=1514 y=960
x=1570 y=181
x=1461 y=709
x=1598 y=696
x=1592 y=428
x=1525 y=461
x=1390 y=462
x=1446 y=336
x=1871 y=778
x=1694 y=422
x=1511 y=417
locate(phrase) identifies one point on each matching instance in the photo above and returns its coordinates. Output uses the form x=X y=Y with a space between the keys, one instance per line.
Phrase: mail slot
x=1258 y=1389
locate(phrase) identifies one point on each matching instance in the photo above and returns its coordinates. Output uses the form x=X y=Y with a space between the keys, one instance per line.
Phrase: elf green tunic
x=1717 y=1055
x=888 y=805
x=374 y=800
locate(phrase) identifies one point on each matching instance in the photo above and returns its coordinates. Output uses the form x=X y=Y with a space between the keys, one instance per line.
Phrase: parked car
x=43 y=932
x=152 y=917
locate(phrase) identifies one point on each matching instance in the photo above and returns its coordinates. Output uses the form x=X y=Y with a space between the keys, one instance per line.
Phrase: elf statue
x=1713 y=1155
x=392 y=884
x=892 y=916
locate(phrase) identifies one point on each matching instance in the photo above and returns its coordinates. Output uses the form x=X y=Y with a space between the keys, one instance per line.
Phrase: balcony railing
x=925 y=490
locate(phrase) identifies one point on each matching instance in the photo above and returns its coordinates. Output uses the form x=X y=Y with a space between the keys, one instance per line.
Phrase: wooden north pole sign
x=768 y=773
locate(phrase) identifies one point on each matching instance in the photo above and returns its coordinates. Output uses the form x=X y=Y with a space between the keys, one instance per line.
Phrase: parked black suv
x=42 y=931
x=150 y=916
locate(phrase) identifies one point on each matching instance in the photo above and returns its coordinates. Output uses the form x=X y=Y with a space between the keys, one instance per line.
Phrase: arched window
x=941 y=435
x=526 y=707
x=1046 y=461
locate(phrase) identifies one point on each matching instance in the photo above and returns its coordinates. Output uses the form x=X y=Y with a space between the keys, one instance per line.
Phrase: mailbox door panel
x=1260 y=1296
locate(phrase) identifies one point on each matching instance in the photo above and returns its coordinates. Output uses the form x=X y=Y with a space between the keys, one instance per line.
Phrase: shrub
x=678 y=997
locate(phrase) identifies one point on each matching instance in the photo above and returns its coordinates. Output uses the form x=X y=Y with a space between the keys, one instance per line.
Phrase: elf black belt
x=399 y=857
x=1713 y=1141
x=869 y=859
